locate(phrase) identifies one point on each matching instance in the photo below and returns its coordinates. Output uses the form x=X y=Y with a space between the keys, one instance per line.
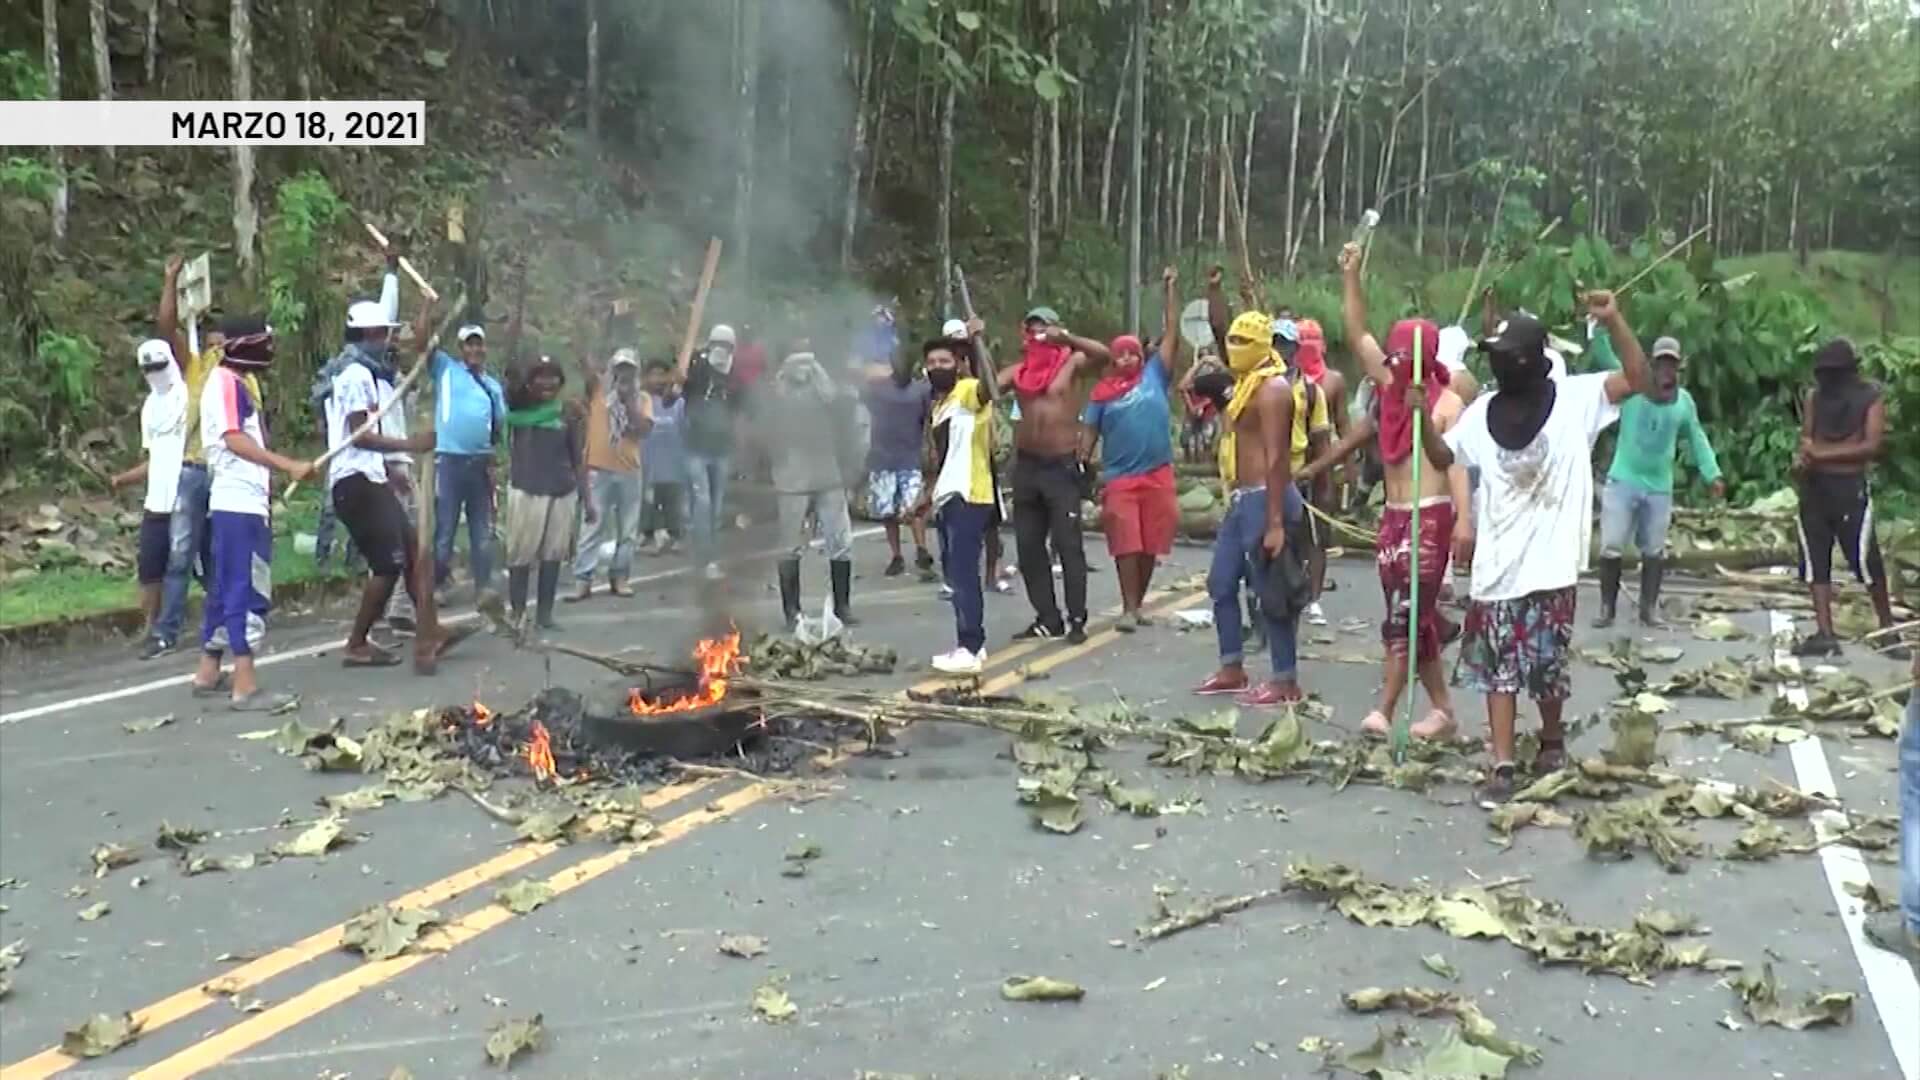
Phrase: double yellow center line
x=259 y=1027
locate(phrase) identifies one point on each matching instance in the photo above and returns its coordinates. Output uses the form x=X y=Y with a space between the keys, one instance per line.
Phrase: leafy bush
x=307 y=214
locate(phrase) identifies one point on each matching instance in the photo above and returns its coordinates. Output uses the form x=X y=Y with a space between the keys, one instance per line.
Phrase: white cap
x=955 y=330
x=626 y=358
x=154 y=353
x=368 y=315
x=471 y=330
x=721 y=334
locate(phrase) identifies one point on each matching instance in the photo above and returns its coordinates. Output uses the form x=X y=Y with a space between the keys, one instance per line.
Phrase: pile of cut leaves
x=774 y=657
x=75 y=531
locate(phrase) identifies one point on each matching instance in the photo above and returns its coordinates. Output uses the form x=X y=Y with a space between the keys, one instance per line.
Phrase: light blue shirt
x=470 y=410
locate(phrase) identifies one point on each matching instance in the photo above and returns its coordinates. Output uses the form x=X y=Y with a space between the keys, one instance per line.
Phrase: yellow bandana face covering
x=1257 y=330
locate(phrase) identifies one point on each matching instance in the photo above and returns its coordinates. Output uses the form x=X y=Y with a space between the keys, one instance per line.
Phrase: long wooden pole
x=405 y=263
x=1405 y=720
x=1670 y=253
x=699 y=305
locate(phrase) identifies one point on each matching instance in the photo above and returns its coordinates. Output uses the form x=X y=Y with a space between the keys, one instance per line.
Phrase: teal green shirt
x=1643 y=455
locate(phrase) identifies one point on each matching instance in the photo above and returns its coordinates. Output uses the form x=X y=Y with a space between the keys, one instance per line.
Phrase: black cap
x=1518 y=333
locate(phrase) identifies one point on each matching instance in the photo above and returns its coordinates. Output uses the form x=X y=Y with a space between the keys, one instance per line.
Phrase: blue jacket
x=470 y=411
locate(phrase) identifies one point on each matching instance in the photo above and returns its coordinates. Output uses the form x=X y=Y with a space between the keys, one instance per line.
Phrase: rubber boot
x=518 y=578
x=543 y=599
x=1651 y=569
x=842 y=570
x=790 y=591
x=1609 y=593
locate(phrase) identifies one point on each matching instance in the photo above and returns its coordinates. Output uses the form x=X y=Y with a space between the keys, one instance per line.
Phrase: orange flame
x=717 y=659
x=482 y=716
x=540 y=753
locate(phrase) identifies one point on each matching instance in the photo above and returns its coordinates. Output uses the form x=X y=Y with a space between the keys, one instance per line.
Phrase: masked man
x=898 y=405
x=619 y=416
x=803 y=419
x=713 y=399
x=163 y=435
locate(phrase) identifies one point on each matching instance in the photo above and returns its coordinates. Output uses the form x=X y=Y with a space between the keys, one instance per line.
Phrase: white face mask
x=720 y=357
x=160 y=381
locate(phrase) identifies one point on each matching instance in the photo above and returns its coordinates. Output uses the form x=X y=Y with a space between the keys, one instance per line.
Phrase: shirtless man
x=1257 y=406
x=1047 y=476
x=1442 y=498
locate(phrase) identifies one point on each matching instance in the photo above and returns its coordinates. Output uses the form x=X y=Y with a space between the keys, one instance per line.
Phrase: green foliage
x=27 y=177
x=68 y=364
x=21 y=77
x=299 y=241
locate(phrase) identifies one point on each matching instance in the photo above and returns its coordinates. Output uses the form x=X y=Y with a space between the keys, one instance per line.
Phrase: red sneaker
x=1272 y=692
x=1224 y=681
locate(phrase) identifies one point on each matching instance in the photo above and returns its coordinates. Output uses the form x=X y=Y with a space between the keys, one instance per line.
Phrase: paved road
x=933 y=887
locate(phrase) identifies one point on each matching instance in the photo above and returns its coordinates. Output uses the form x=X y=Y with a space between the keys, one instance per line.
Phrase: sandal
x=260 y=701
x=374 y=658
x=1498 y=789
x=1551 y=757
x=221 y=684
x=1437 y=724
x=1376 y=725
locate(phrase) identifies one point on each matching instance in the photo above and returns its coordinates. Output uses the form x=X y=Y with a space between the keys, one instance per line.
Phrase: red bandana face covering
x=1039 y=363
x=1396 y=420
x=1311 y=358
x=1129 y=361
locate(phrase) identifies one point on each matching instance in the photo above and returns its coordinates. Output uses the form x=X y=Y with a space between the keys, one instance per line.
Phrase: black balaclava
x=248 y=342
x=1517 y=355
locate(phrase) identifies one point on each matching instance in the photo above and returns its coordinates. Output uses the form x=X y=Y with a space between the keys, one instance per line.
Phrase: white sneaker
x=1315 y=616
x=714 y=573
x=1003 y=586
x=946 y=592
x=960 y=662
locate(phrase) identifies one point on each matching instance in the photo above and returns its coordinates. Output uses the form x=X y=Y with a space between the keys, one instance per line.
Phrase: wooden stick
x=405 y=263
x=1896 y=628
x=1670 y=253
x=399 y=392
x=427 y=638
x=699 y=305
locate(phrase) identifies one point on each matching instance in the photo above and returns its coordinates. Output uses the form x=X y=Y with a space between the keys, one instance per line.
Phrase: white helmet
x=368 y=315
x=721 y=334
x=955 y=330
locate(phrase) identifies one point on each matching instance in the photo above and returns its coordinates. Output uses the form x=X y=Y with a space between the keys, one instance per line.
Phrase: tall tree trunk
x=1293 y=141
x=1200 y=183
x=1179 y=187
x=1420 y=193
x=857 y=154
x=1113 y=134
x=1036 y=170
x=1713 y=176
x=1225 y=153
x=1246 y=166
x=749 y=92
x=102 y=57
x=1326 y=136
x=876 y=162
x=50 y=45
x=1053 y=121
x=1796 y=236
x=246 y=216
x=153 y=41
x=1077 y=174
x=943 y=215
x=593 y=73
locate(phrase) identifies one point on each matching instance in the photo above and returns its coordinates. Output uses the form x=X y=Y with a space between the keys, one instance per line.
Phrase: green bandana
x=546 y=415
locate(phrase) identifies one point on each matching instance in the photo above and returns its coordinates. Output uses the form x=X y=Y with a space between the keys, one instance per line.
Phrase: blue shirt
x=1136 y=428
x=665 y=459
x=469 y=409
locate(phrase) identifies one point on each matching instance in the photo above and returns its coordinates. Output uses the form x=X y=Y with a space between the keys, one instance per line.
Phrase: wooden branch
x=1201 y=916
x=405 y=263
x=699 y=305
x=1670 y=253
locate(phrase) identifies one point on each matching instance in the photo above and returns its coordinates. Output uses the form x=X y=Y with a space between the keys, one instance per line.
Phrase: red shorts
x=1393 y=555
x=1140 y=513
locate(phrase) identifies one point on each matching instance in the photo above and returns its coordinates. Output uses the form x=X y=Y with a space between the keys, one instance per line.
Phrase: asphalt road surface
x=932 y=886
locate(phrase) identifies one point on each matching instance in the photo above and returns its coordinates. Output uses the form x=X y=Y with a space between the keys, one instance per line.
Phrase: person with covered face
x=546 y=483
x=363 y=480
x=1441 y=497
x=898 y=405
x=803 y=419
x=1130 y=420
x=1048 y=479
x=1257 y=403
x=163 y=436
x=1328 y=490
x=1637 y=502
x=960 y=487
x=663 y=462
x=714 y=396
x=1843 y=427
x=619 y=416
x=233 y=435
x=1529 y=532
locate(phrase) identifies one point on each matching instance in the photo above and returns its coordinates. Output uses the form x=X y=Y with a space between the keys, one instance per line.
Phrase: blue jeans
x=707 y=493
x=616 y=498
x=186 y=550
x=1238 y=555
x=463 y=482
x=963 y=530
x=1910 y=813
x=1629 y=511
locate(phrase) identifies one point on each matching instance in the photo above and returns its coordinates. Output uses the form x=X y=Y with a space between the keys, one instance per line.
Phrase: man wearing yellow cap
x=1257 y=407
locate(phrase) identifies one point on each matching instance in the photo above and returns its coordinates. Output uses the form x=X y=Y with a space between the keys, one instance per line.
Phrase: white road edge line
x=1890 y=979
x=69 y=704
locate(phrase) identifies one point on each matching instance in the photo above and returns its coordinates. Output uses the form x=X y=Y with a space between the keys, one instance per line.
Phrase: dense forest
x=853 y=150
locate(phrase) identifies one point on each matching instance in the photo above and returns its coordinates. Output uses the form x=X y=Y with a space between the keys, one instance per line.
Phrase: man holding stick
x=470 y=413
x=1529 y=532
x=360 y=475
x=714 y=397
x=1048 y=480
x=960 y=487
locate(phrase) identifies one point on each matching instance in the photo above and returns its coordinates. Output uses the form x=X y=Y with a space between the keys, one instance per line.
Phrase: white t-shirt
x=354 y=391
x=393 y=424
x=1533 y=511
x=163 y=435
x=234 y=486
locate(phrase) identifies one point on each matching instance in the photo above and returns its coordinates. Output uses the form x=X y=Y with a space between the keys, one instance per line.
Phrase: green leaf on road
x=1719 y=628
x=1439 y=966
x=511 y=1038
x=318 y=839
x=109 y=857
x=1762 y=738
x=1760 y=996
x=93 y=912
x=102 y=1034
x=178 y=838
x=384 y=932
x=1058 y=812
x=744 y=946
x=546 y=826
x=1220 y=723
x=1137 y=801
x=524 y=895
x=151 y=723
x=1040 y=988
x=1667 y=923
x=1870 y=896
x=201 y=864
x=771 y=1003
